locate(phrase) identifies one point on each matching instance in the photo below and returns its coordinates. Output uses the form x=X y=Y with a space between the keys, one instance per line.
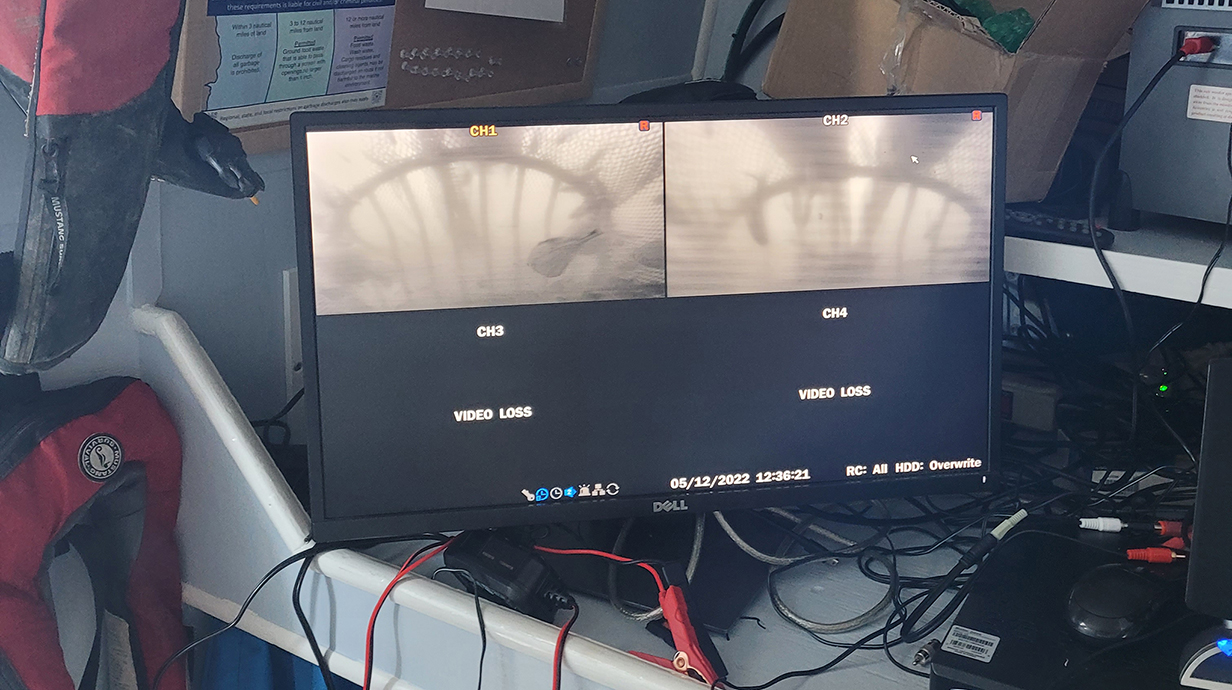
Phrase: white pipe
x=591 y=660
x=704 y=34
x=287 y=640
x=190 y=359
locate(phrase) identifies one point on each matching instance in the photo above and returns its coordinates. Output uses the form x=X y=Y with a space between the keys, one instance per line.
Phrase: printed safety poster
x=278 y=56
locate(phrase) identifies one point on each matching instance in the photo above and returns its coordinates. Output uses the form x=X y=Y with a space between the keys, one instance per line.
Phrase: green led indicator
x=1163 y=388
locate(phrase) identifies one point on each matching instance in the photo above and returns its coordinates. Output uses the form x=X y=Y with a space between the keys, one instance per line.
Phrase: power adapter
x=508 y=573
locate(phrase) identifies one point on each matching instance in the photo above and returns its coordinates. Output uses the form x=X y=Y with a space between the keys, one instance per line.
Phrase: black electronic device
x=1210 y=558
x=1207 y=660
x=521 y=316
x=726 y=580
x=507 y=573
x=1047 y=227
x=1114 y=601
x=1013 y=630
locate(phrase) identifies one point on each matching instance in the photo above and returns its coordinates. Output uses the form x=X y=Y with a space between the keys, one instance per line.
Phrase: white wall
x=12 y=161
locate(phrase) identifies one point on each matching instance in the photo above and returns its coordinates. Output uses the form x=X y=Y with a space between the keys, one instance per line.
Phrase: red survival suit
x=92 y=472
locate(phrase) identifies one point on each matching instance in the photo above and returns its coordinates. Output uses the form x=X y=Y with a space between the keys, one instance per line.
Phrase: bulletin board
x=250 y=63
x=472 y=59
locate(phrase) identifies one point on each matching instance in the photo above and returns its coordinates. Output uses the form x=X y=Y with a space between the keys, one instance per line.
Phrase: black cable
x=907 y=622
x=755 y=46
x=277 y=420
x=305 y=625
x=473 y=586
x=371 y=639
x=955 y=512
x=297 y=604
x=866 y=646
x=1171 y=431
x=1136 y=362
x=900 y=608
x=908 y=631
x=805 y=673
x=738 y=39
x=286 y=409
x=1210 y=266
x=243 y=608
x=560 y=645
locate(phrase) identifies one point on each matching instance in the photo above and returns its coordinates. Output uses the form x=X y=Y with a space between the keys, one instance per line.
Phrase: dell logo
x=669 y=506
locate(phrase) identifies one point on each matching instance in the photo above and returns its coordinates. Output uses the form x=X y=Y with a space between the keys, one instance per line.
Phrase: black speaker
x=1209 y=589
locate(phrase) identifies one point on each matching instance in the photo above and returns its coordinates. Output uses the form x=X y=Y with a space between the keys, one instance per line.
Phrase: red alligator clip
x=689 y=659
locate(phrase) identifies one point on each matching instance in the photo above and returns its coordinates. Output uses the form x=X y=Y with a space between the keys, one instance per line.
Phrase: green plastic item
x=980 y=9
x=1009 y=29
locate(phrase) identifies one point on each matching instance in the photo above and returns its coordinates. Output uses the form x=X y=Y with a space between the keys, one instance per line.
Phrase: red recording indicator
x=644 y=125
x=977 y=115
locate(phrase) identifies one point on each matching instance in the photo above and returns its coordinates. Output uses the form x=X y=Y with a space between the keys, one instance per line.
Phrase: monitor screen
x=535 y=315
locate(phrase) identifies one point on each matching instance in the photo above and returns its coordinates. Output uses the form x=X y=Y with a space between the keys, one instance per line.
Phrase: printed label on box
x=279 y=56
x=972 y=644
x=1211 y=103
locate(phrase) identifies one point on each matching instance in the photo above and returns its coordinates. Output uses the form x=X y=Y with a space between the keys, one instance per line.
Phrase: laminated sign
x=277 y=56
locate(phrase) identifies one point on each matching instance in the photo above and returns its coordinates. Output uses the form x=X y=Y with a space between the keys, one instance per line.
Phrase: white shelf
x=1165 y=259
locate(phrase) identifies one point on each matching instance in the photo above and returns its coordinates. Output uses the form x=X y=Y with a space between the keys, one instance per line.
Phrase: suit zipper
x=42 y=258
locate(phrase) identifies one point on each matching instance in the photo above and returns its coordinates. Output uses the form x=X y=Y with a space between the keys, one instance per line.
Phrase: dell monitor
x=535 y=315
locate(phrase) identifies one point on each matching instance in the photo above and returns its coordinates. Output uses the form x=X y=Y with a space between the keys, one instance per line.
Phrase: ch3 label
x=494 y=331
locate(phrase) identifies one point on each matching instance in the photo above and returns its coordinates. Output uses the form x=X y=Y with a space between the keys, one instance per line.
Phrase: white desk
x=238 y=518
x=1166 y=258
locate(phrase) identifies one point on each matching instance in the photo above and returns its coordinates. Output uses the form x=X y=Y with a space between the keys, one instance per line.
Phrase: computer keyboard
x=1035 y=225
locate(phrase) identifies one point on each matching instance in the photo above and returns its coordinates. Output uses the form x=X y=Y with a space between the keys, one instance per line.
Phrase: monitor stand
x=726 y=580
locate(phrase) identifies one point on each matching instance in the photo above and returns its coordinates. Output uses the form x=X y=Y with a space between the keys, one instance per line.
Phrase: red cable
x=559 y=655
x=406 y=568
x=1199 y=45
x=610 y=556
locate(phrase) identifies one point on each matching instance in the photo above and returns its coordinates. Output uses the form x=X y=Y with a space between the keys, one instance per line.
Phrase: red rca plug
x=1198 y=45
x=1170 y=528
x=1154 y=554
x=1176 y=544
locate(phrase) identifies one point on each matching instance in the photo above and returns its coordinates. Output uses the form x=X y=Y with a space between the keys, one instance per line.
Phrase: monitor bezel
x=325 y=529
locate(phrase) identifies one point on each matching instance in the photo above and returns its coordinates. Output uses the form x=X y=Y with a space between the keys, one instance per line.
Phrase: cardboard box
x=830 y=48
